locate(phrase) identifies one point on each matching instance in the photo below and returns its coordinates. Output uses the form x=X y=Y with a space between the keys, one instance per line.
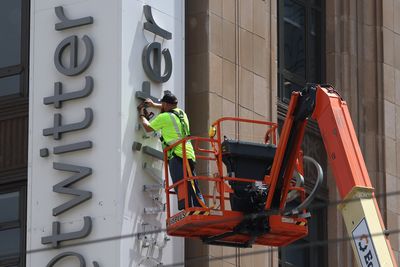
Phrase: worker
x=174 y=125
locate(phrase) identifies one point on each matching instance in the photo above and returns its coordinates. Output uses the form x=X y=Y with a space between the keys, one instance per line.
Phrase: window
x=303 y=253
x=301 y=49
x=14 y=55
x=12 y=225
x=14 y=47
x=300 y=45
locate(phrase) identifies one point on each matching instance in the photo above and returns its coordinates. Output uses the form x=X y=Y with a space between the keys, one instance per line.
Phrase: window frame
x=313 y=254
x=282 y=72
x=20 y=223
x=23 y=67
x=14 y=106
x=312 y=127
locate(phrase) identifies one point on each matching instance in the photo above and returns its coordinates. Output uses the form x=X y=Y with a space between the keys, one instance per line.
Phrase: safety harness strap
x=190 y=174
x=181 y=116
x=176 y=127
x=181 y=134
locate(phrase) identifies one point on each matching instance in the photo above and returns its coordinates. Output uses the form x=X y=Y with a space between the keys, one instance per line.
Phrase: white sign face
x=86 y=198
x=364 y=245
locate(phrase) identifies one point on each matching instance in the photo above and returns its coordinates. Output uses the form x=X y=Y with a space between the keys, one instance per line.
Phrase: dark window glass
x=315 y=47
x=317 y=232
x=10 y=32
x=294 y=15
x=300 y=57
x=300 y=61
x=12 y=246
x=296 y=254
x=12 y=224
x=289 y=88
x=316 y=3
x=10 y=85
x=303 y=253
x=9 y=207
x=14 y=47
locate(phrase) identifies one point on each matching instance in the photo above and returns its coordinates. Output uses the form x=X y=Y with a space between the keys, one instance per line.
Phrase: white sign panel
x=90 y=62
x=364 y=245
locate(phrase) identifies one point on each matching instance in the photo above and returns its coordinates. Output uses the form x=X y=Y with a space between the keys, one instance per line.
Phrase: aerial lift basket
x=237 y=213
x=251 y=204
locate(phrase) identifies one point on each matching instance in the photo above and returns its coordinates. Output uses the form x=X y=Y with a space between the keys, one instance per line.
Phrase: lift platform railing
x=270 y=133
x=211 y=153
x=244 y=179
x=182 y=185
x=202 y=154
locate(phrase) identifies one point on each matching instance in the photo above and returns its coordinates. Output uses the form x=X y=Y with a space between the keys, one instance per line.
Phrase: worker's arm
x=146 y=124
x=144 y=121
x=150 y=103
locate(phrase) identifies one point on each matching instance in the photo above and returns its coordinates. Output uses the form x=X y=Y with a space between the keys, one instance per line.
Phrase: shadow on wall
x=133 y=176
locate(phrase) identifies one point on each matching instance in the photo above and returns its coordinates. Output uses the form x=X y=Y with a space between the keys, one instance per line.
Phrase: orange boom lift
x=254 y=183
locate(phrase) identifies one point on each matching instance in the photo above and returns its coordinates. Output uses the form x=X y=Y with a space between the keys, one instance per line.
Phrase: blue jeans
x=176 y=170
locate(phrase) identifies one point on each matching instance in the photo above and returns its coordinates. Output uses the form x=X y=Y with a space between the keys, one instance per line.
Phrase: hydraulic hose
x=318 y=183
x=292 y=195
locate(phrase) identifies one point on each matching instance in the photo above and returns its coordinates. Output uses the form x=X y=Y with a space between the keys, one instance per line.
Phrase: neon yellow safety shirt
x=171 y=131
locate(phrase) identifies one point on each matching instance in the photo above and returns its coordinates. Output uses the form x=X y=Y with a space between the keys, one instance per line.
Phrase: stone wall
x=231 y=70
x=363 y=64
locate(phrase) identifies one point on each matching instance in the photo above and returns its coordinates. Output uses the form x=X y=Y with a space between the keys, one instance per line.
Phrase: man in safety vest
x=174 y=125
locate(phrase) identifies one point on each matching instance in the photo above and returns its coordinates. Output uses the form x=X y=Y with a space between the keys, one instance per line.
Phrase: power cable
x=265 y=213
x=318 y=243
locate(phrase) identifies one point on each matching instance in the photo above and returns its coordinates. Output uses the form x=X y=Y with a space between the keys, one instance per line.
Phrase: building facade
x=257 y=52
x=81 y=182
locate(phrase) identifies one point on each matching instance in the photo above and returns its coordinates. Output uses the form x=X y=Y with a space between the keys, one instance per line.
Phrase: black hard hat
x=169 y=98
